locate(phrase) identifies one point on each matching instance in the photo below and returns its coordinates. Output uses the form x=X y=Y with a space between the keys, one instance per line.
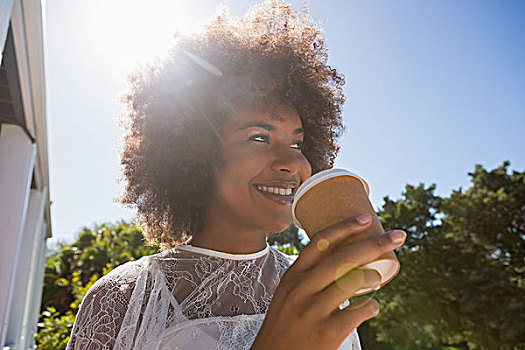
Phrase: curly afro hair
x=177 y=106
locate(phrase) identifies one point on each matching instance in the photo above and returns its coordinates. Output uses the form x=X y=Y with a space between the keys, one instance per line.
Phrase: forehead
x=280 y=116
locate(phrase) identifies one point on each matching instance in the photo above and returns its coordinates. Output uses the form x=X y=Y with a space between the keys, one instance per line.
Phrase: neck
x=228 y=235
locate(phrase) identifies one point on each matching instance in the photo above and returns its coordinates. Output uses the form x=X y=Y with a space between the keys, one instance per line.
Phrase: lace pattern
x=185 y=298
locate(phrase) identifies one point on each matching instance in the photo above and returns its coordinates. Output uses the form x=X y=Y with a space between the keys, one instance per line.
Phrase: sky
x=433 y=88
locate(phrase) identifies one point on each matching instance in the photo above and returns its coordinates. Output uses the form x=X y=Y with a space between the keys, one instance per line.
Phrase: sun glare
x=127 y=32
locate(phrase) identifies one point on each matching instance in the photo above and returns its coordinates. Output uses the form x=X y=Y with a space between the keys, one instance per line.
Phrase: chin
x=274 y=223
x=279 y=227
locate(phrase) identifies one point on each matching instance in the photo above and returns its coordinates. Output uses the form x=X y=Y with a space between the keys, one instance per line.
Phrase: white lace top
x=186 y=298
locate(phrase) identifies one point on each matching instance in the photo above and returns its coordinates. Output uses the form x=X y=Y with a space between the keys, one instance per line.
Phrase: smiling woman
x=262 y=165
x=220 y=134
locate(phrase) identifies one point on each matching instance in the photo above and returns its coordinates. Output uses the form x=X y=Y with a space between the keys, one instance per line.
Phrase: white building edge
x=24 y=177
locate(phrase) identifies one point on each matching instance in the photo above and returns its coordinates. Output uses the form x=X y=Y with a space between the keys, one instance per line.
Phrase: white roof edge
x=32 y=22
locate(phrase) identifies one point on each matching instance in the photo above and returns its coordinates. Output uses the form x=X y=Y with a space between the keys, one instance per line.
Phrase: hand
x=304 y=312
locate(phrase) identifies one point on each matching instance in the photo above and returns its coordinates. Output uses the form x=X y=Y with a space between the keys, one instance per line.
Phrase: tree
x=461 y=282
x=94 y=251
x=289 y=241
x=75 y=267
x=55 y=327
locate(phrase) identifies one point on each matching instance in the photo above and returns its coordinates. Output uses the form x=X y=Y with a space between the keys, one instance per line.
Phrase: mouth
x=280 y=193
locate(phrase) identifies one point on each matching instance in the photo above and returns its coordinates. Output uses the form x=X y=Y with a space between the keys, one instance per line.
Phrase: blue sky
x=433 y=88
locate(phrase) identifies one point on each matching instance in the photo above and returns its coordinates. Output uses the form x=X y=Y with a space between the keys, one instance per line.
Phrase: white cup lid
x=320 y=177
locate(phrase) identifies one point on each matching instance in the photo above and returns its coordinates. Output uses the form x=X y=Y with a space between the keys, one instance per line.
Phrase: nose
x=286 y=160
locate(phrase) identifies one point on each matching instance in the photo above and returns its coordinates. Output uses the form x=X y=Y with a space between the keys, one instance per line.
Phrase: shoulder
x=104 y=306
x=115 y=288
x=123 y=275
x=119 y=284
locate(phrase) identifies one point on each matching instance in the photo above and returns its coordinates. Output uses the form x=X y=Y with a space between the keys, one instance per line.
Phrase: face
x=262 y=167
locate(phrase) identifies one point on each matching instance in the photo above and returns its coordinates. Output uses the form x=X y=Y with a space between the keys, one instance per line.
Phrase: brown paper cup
x=335 y=195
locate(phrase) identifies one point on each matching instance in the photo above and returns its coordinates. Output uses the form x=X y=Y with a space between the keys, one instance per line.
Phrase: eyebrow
x=266 y=126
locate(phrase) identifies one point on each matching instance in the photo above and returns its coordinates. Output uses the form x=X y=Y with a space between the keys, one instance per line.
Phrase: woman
x=219 y=136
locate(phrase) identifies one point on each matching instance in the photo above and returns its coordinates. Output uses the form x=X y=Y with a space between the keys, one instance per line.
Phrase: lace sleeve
x=101 y=313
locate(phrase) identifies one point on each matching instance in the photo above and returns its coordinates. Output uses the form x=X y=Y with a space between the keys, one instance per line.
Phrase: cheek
x=246 y=157
x=240 y=167
x=306 y=168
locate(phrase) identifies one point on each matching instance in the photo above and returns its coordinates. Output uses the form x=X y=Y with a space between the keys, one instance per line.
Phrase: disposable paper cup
x=335 y=195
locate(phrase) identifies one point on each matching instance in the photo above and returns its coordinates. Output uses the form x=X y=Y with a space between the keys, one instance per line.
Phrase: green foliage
x=288 y=250
x=73 y=269
x=54 y=329
x=288 y=241
x=461 y=283
x=95 y=252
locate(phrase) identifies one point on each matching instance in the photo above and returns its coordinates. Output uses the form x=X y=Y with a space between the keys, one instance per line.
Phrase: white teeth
x=275 y=190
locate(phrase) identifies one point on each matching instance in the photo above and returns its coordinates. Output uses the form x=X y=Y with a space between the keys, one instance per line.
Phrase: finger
x=351 y=317
x=346 y=286
x=348 y=258
x=325 y=242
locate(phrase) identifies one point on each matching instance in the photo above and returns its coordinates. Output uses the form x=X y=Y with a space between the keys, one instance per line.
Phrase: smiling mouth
x=277 y=194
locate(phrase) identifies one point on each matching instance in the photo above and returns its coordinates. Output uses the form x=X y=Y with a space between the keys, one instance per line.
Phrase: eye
x=260 y=138
x=298 y=145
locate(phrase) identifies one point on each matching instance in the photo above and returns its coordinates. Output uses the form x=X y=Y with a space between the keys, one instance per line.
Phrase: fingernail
x=363 y=218
x=360 y=302
x=398 y=236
